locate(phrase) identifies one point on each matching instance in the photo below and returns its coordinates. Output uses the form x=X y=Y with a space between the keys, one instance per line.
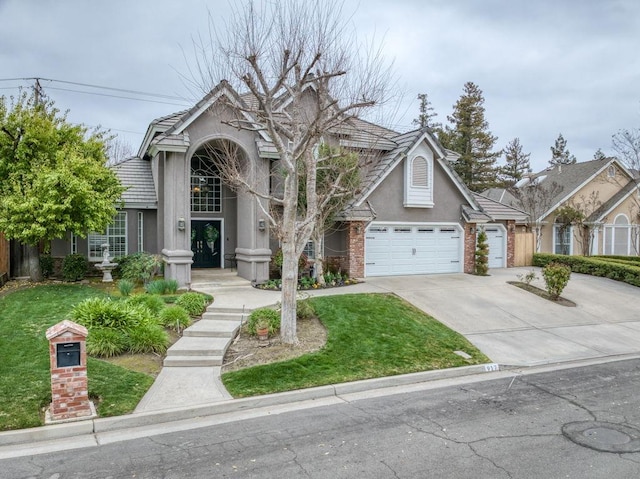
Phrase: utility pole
x=37 y=89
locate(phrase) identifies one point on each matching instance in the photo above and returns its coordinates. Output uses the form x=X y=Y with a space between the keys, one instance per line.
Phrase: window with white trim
x=310 y=250
x=562 y=235
x=418 y=188
x=611 y=171
x=74 y=243
x=206 y=187
x=115 y=237
x=140 y=231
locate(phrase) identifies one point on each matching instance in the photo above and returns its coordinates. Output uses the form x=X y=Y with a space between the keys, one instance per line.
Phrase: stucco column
x=176 y=211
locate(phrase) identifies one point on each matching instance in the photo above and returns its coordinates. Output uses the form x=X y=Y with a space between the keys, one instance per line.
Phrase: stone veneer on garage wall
x=470 y=247
x=511 y=243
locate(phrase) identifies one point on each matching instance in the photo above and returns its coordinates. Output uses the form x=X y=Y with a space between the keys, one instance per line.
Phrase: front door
x=206 y=242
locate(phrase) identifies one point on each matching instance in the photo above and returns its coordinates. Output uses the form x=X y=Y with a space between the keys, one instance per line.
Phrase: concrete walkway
x=511 y=326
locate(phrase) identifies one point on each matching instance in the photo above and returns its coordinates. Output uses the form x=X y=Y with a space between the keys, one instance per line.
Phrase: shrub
x=304 y=309
x=193 y=303
x=46 y=265
x=172 y=286
x=106 y=342
x=125 y=287
x=482 y=254
x=263 y=315
x=148 y=337
x=157 y=286
x=556 y=276
x=152 y=302
x=607 y=267
x=139 y=267
x=529 y=277
x=174 y=317
x=103 y=313
x=74 y=267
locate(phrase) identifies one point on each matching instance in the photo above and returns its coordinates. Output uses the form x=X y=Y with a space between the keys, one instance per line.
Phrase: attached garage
x=497 y=240
x=403 y=249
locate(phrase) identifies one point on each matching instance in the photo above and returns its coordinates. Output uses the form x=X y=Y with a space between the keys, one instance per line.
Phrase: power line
x=101 y=87
x=117 y=96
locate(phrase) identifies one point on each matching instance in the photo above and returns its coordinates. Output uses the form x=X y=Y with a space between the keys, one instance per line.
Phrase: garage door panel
x=496 y=241
x=412 y=249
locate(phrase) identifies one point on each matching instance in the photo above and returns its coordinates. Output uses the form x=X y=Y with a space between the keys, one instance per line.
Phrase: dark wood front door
x=206 y=236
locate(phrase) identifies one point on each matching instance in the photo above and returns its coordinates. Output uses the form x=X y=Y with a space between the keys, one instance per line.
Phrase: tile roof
x=135 y=174
x=499 y=211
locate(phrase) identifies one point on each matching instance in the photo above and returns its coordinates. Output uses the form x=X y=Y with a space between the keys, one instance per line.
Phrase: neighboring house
x=606 y=194
x=412 y=214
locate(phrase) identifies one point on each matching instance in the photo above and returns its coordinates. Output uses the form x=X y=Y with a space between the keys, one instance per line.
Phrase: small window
x=74 y=244
x=425 y=230
x=377 y=229
x=402 y=230
x=140 y=231
x=447 y=230
x=611 y=172
x=419 y=170
x=310 y=250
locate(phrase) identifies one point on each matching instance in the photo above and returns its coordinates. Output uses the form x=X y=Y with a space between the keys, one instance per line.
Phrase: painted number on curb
x=491 y=367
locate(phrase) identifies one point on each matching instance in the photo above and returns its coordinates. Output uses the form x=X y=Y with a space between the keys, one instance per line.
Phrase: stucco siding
x=387 y=199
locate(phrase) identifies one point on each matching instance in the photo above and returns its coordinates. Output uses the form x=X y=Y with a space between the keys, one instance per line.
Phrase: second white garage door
x=392 y=249
x=496 y=238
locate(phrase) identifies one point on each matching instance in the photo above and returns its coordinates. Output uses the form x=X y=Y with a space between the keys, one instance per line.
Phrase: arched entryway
x=213 y=204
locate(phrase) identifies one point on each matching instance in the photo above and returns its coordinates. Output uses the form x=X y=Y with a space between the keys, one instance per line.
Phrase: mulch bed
x=543 y=294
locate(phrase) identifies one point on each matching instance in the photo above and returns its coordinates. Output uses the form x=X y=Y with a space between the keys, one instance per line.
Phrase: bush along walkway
x=191 y=372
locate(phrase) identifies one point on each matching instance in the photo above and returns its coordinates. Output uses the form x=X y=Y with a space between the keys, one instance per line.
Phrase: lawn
x=368 y=336
x=25 y=388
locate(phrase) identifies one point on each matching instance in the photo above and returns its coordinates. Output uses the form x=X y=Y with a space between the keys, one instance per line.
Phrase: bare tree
x=576 y=213
x=627 y=144
x=118 y=150
x=299 y=51
x=536 y=198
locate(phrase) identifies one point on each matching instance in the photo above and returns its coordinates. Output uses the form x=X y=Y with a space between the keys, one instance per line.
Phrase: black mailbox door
x=68 y=355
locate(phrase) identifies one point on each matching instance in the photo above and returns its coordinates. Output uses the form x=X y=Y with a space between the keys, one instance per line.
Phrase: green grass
x=25 y=387
x=368 y=336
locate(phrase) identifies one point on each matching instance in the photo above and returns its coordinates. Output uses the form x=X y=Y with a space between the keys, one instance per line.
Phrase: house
x=412 y=215
x=603 y=191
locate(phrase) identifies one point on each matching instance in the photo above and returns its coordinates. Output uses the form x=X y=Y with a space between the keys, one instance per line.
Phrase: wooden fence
x=4 y=259
x=524 y=247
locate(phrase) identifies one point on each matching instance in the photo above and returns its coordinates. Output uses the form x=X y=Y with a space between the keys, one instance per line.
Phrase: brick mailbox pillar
x=69 y=391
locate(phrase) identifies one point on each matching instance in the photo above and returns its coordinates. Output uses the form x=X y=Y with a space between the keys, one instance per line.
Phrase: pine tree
x=559 y=153
x=599 y=155
x=470 y=137
x=426 y=114
x=516 y=163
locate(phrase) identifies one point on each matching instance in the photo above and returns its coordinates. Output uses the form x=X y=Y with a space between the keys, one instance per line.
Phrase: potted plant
x=262 y=329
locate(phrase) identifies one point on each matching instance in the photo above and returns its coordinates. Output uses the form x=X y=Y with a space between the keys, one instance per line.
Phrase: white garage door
x=496 y=238
x=412 y=249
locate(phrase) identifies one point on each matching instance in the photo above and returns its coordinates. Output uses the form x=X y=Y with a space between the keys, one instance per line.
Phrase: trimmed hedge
x=611 y=267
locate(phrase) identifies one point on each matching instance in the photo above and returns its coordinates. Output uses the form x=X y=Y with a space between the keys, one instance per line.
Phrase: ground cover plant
x=25 y=387
x=368 y=336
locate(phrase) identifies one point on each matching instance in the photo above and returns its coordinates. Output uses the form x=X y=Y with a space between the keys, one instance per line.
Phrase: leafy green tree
x=53 y=176
x=560 y=155
x=427 y=113
x=468 y=135
x=516 y=163
x=482 y=254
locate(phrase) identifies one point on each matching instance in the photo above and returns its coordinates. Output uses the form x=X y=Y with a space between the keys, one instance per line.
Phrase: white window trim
x=105 y=238
x=556 y=227
x=140 y=231
x=411 y=192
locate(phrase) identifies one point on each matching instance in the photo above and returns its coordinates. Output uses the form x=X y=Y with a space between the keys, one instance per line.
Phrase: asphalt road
x=503 y=428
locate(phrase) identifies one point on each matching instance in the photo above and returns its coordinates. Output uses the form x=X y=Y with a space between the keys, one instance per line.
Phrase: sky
x=546 y=67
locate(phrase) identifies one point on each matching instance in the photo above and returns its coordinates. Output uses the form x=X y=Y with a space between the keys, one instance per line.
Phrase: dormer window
x=611 y=171
x=418 y=191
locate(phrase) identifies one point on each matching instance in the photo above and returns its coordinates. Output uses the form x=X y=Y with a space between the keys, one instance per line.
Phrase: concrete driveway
x=515 y=327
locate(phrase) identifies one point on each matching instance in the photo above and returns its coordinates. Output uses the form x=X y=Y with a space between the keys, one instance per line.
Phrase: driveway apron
x=515 y=327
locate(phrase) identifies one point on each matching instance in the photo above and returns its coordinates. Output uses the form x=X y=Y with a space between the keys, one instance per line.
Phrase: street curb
x=100 y=425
